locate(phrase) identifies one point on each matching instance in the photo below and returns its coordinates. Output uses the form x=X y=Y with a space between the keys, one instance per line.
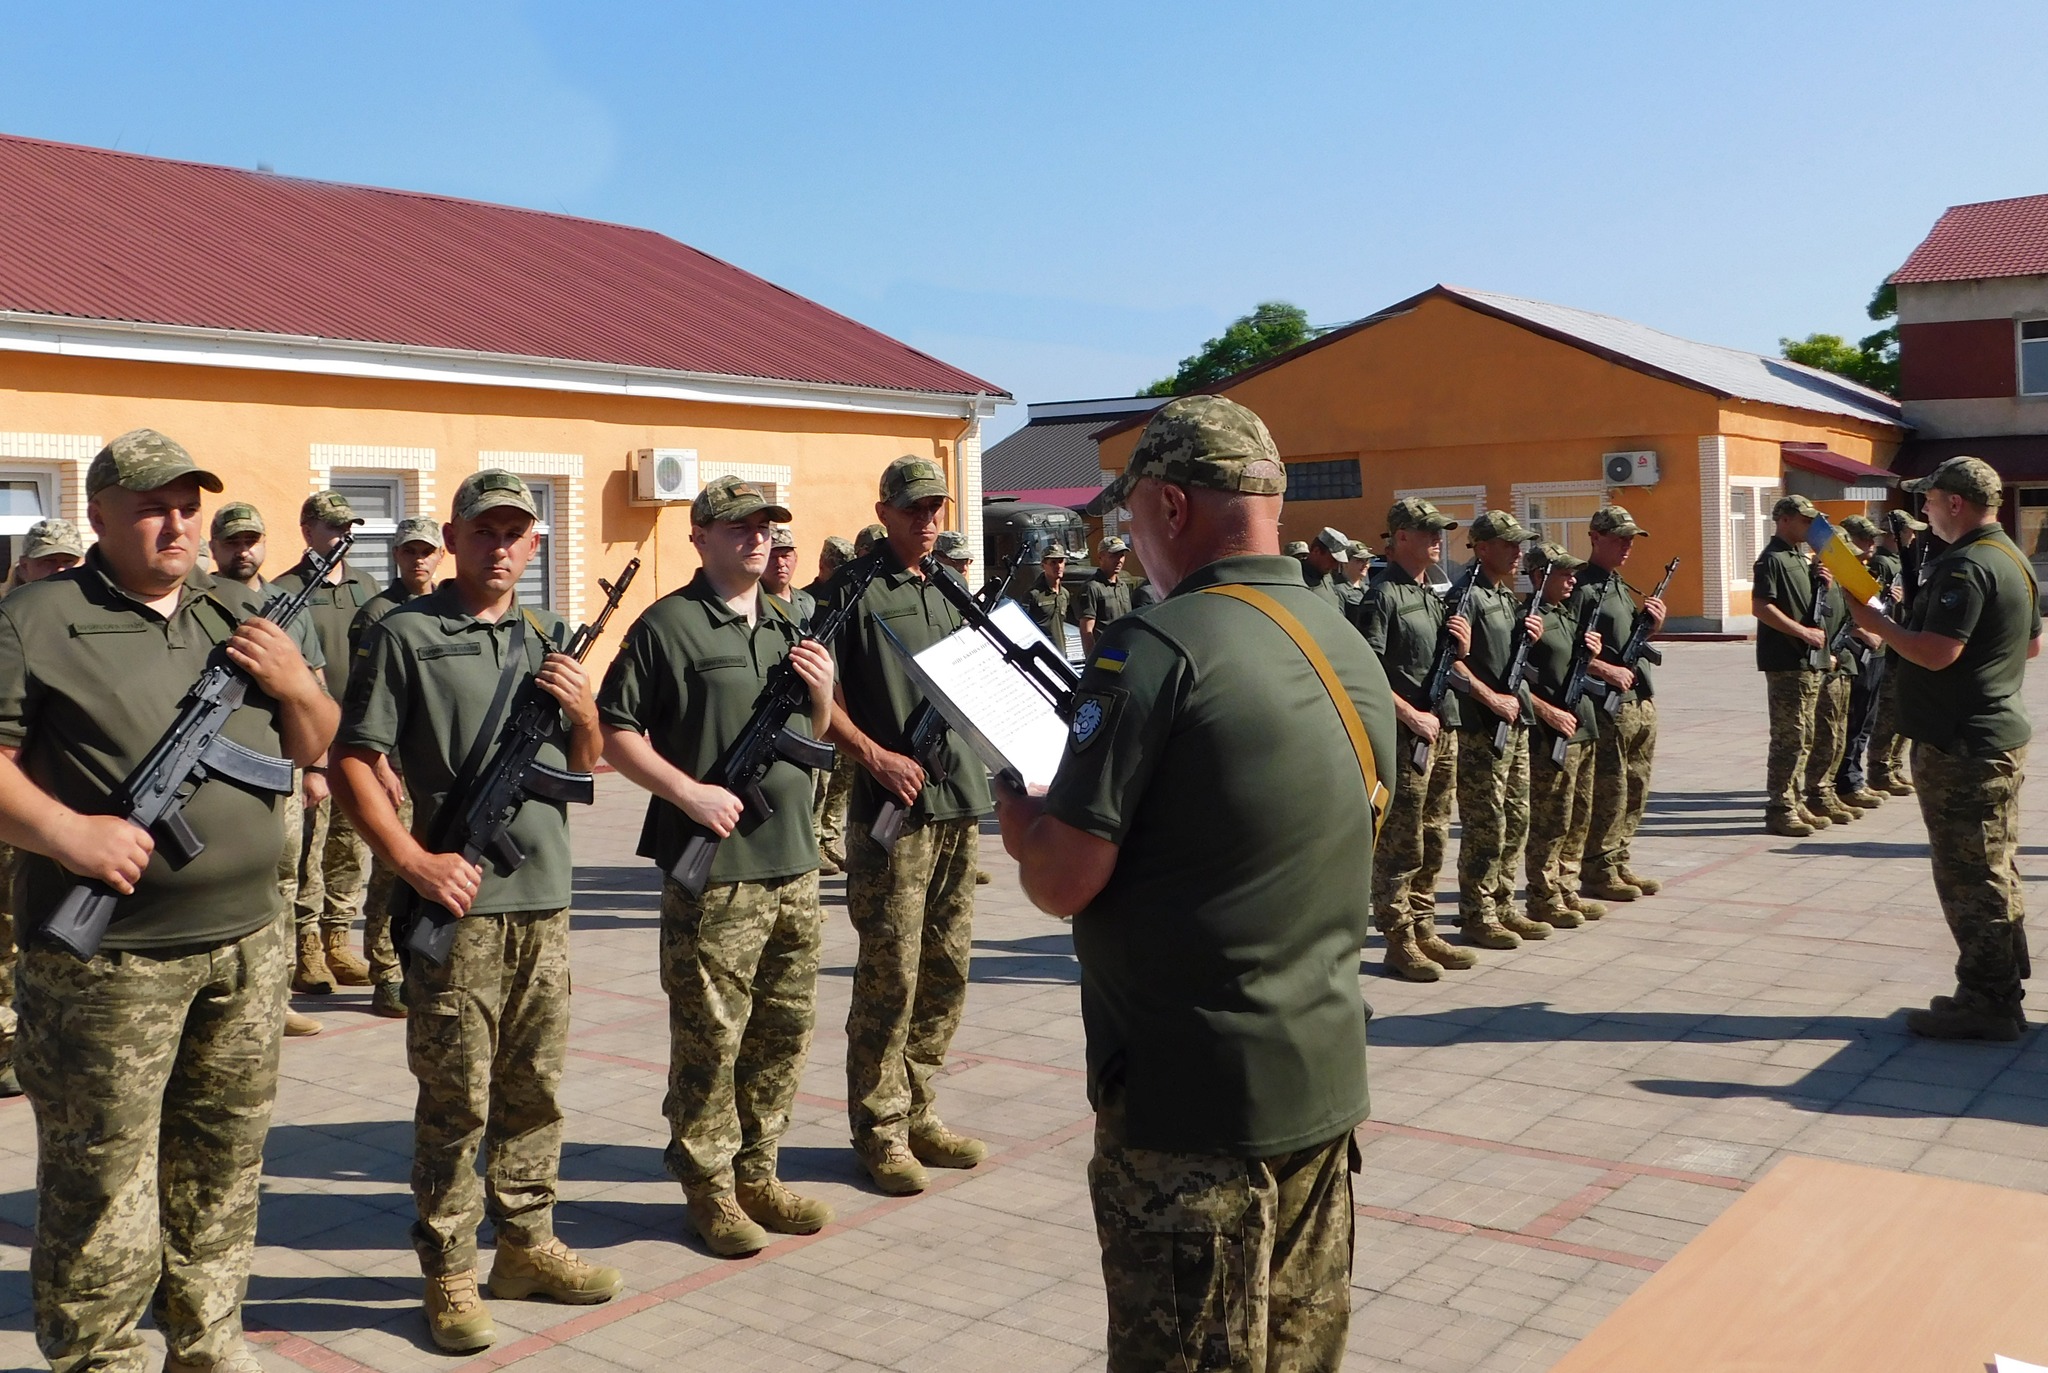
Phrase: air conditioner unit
x=1629 y=469
x=663 y=475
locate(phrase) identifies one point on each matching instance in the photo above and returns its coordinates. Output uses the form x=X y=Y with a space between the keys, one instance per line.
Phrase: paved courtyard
x=1547 y=1129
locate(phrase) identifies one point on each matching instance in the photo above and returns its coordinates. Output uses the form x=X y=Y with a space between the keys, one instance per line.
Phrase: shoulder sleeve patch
x=1095 y=716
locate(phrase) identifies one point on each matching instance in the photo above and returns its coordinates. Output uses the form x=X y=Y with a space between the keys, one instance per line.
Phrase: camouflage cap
x=1203 y=441
x=865 y=541
x=1554 y=556
x=489 y=489
x=781 y=536
x=1296 y=548
x=1334 y=542
x=417 y=529
x=1794 y=505
x=1112 y=546
x=52 y=536
x=1903 y=520
x=1358 y=550
x=143 y=460
x=952 y=544
x=1055 y=552
x=1499 y=524
x=1861 y=527
x=909 y=480
x=236 y=517
x=1413 y=512
x=329 y=508
x=732 y=498
x=1615 y=519
x=1971 y=478
x=838 y=548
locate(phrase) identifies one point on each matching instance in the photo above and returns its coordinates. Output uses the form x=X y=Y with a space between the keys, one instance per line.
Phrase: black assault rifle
x=1441 y=679
x=1518 y=667
x=1046 y=670
x=992 y=590
x=192 y=751
x=1638 y=647
x=1816 y=618
x=767 y=737
x=1578 y=678
x=476 y=821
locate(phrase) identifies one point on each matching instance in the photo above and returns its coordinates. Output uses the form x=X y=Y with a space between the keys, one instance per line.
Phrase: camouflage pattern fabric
x=1972 y=810
x=486 y=1036
x=294 y=808
x=1215 y=1262
x=1560 y=808
x=1887 y=745
x=152 y=1079
x=1830 y=735
x=378 y=949
x=1482 y=784
x=1515 y=813
x=833 y=789
x=334 y=871
x=740 y=966
x=1622 y=758
x=913 y=910
x=10 y=951
x=1410 y=850
x=1204 y=441
x=1792 y=697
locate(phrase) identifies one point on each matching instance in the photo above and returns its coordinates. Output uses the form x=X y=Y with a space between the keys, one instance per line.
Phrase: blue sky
x=1067 y=198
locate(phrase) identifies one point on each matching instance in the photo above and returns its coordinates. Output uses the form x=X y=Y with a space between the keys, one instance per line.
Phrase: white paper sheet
x=2010 y=1365
x=994 y=707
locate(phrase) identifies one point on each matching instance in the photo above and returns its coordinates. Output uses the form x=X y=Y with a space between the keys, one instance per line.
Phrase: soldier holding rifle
x=1560 y=778
x=1627 y=746
x=152 y=1064
x=1790 y=643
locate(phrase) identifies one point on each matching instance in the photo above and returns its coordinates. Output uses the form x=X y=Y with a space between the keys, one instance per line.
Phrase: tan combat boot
x=1648 y=886
x=1558 y=917
x=893 y=1168
x=1968 y=1017
x=1863 y=799
x=935 y=1146
x=1791 y=825
x=1406 y=959
x=775 y=1207
x=1612 y=888
x=1814 y=818
x=1525 y=927
x=1437 y=951
x=723 y=1224
x=551 y=1269
x=310 y=976
x=1588 y=910
x=1487 y=933
x=237 y=1360
x=298 y=1026
x=456 y=1315
x=348 y=968
x=1824 y=803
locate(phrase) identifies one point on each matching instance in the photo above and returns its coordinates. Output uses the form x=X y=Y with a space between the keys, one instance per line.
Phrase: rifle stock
x=1519 y=666
x=1441 y=678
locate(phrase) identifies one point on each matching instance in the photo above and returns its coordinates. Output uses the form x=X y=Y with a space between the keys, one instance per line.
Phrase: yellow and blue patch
x=1111 y=660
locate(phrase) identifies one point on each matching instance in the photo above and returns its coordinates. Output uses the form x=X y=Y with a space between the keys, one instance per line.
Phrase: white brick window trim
x=565 y=473
x=415 y=466
x=1432 y=494
x=1736 y=580
x=68 y=454
x=967 y=510
x=1715 y=575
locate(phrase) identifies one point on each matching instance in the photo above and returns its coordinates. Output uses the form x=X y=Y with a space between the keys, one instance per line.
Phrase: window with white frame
x=26 y=496
x=2034 y=357
x=1557 y=513
x=537 y=583
x=1461 y=503
x=1749 y=527
x=380 y=502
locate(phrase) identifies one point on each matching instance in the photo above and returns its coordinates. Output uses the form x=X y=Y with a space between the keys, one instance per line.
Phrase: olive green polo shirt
x=879 y=695
x=1884 y=565
x=424 y=679
x=1219 y=964
x=1617 y=621
x=1783 y=577
x=1049 y=610
x=802 y=605
x=1105 y=601
x=332 y=609
x=375 y=609
x=1497 y=633
x=1977 y=593
x=688 y=676
x=1403 y=620
x=302 y=631
x=1550 y=664
x=1325 y=585
x=90 y=680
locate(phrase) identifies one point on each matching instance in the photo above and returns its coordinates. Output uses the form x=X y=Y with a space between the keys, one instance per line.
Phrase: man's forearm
x=842 y=732
x=1773 y=618
x=28 y=814
x=586 y=745
x=306 y=725
x=1061 y=868
x=640 y=763
x=369 y=808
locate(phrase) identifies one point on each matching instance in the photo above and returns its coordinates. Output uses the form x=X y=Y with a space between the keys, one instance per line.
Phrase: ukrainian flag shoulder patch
x=1111 y=660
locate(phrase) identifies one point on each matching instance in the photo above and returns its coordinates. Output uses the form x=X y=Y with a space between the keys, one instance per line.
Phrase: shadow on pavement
x=1040 y=958
x=312 y=1306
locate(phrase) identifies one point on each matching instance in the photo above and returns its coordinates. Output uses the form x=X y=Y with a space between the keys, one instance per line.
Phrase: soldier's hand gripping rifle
x=476 y=821
x=1518 y=666
x=1441 y=678
x=1817 y=618
x=1578 y=678
x=1638 y=648
x=767 y=737
x=192 y=751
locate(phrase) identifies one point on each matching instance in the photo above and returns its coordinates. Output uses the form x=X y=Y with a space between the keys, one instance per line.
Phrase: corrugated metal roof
x=1045 y=453
x=1818 y=458
x=1992 y=238
x=94 y=234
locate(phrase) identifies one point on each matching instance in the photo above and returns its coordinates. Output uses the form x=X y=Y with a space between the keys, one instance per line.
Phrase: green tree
x=1872 y=360
x=1271 y=329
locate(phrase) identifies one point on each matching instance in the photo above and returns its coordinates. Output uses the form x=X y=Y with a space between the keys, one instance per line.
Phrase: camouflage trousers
x=1622 y=758
x=152 y=1076
x=1887 y=745
x=1410 y=851
x=486 y=1037
x=334 y=866
x=1792 y=697
x=1971 y=807
x=1216 y=1262
x=1493 y=819
x=10 y=951
x=1560 y=806
x=294 y=808
x=1830 y=735
x=830 y=791
x=377 y=945
x=740 y=966
x=913 y=910
x=1851 y=777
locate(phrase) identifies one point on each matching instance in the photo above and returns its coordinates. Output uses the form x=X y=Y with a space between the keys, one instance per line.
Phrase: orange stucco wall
x=1444 y=396
x=257 y=430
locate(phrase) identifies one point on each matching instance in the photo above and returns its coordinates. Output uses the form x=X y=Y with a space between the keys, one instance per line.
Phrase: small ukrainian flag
x=1111 y=660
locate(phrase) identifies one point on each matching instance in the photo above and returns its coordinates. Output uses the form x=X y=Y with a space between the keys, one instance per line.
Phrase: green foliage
x=1271 y=329
x=1872 y=360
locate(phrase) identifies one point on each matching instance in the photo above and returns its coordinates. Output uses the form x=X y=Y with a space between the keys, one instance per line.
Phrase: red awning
x=1815 y=458
x=1072 y=496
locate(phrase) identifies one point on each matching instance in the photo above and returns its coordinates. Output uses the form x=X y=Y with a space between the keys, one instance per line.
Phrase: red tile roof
x=95 y=234
x=1992 y=238
x=1820 y=459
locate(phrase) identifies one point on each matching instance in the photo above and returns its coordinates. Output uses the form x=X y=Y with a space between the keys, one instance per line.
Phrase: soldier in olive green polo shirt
x=1107 y=599
x=913 y=905
x=1050 y=599
x=1210 y=831
x=1784 y=587
x=486 y=1032
x=1329 y=553
x=1962 y=664
x=1403 y=618
x=739 y=961
x=333 y=860
x=416 y=552
x=1852 y=781
x=951 y=549
x=152 y=1066
x=830 y=790
x=1626 y=750
x=1560 y=789
x=779 y=579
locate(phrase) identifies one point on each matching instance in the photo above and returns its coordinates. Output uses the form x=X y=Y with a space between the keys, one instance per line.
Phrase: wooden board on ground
x=1831 y=1268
